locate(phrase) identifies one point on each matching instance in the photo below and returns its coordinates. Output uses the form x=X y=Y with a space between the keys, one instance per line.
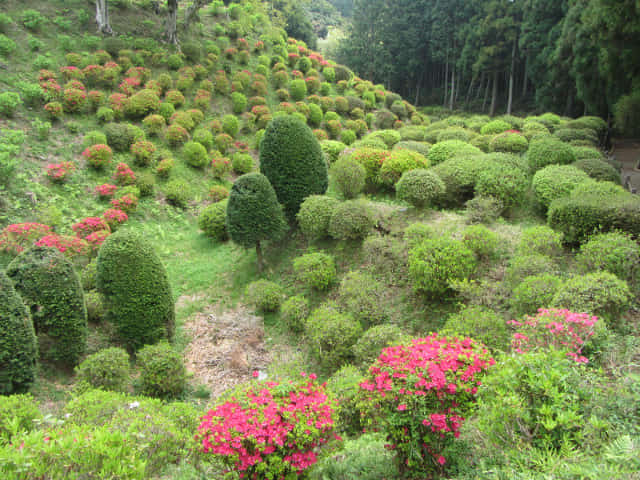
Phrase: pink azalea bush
x=98 y=156
x=17 y=237
x=115 y=217
x=88 y=226
x=70 y=246
x=60 y=172
x=124 y=175
x=269 y=430
x=105 y=190
x=559 y=329
x=127 y=203
x=419 y=394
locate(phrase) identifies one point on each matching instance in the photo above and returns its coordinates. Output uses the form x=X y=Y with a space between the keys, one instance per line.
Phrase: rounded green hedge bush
x=479 y=323
x=332 y=149
x=136 y=290
x=294 y=312
x=534 y=292
x=242 y=163
x=436 y=262
x=213 y=221
x=509 y=143
x=483 y=242
x=315 y=270
x=549 y=151
x=614 y=252
x=495 y=127
x=598 y=169
x=540 y=240
x=504 y=182
x=315 y=214
x=398 y=162
x=459 y=176
x=107 y=369
x=348 y=176
x=350 y=220
x=264 y=295
x=362 y=296
x=291 y=158
x=331 y=335
x=556 y=181
x=195 y=154
x=18 y=344
x=370 y=345
x=420 y=187
x=446 y=150
x=162 y=371
x=51 y=289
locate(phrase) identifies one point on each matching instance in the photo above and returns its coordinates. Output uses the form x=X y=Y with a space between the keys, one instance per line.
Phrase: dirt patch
x=226 y=348
x=627 y=152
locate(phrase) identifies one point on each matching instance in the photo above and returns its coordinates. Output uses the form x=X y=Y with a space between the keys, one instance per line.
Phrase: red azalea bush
x=176 y=134
x=66 y=244
x=60 y=172
x=127 y=203
x=117 y=102
x=88 y=226
x=269 y=429
x=98 y=156
x=115 y=217
x=93 y=74
x=128 y=86
x=17 y=237
x=124 y=175
x=71 y=73
x=419 y=393
x=220 y=167
x=560 y=329
x=143 y=151
x=73 y=99
x=96 y=239
x=105 y=190
x=54 y=109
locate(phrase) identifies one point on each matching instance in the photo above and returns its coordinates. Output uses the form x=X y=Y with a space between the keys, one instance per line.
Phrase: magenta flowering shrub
x=17 y=237
x=105 y=191
x=124 y=175
x=98 y=156
x=270 y=429
x=127 y=203
x=220 y=167
x=54 y=109
x=88 y=226
x=73 y=99
x=68 y=245
x=559 y=329
x=419 y=393
x=115 y=217
x=60 y=172
x=143 y=151
x=96 y=239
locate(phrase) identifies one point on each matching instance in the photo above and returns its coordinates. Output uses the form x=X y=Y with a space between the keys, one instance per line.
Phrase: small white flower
x=133 y=405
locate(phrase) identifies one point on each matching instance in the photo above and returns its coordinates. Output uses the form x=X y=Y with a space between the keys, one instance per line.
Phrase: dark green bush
x=504 y=182
x=598 y=169
x=556 y=181
x=315 y=270
x=213 y=221
x=601 y=294
x=17 y=413
x=549 y=151
x=162 y=371
x=120 y=136
x=315 y=214
x=613 y=252
x=264 y=295
x=51 y=289
x=534 y=292
x=348 y=176
x=294 y=312
x=350 y=220
x=479 y=323
x=18 y=344
x=107 y=369
x=95 y=306
x=291 y=158
x=362 y=296
x=137 y=294
x=331 y=335
x=436 y=262
x=370 y=345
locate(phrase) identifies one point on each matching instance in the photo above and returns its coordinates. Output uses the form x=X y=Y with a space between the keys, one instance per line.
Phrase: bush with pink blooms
x=98 y=156
x=68 y=245
x=115 y=217
x=419 y=394
x=88 y=226
x=17 y=237
x=60 y=172
x=105 y=191
x=269 y=430
x=127 y=203
x=124 y=175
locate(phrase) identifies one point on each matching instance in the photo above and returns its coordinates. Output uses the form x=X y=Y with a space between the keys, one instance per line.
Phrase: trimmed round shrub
x=534 y=292
x=528 y=265
x=399 y=162
x=350 y=220
x=213 y=221
x=446 y=150
x=348 y=176
x=239 y=102
x=264 y=295
x=120 y=136
x=481 y=241
x=298 y=89
x=94 y=137
x=540 y=240
x=509 y=143
x=241 y=163
x=331 y=335
x=436 y=262
x=136 y=290
x=18 y=344
x=598 y=169
x=479 y=323
x=459 y=176
x=453 y=133
x=362 y=296
x=143 y=151
x=176 y=135
x=294 y=312
x=204 y=137
x=332 y=149
x=154 y=124
x=371 y=159
x=601 y=294
x=314 y=216
x=421 y=147
x=51 y=290
x=162 y=371
x=195 y=154
x=95 y=306
x=586 y=135
x=369 y=346
x=348 y=137
x=504 y=182
x=614 y=252
x=142 y=103
x=495 y=127
x=315 y=270
x=177 y=193
x=556 y=181
x=230 y=125
x=389 y=137
x=292 y=160
x=586 y=153
x=107 y=369
x=549 y=151
x=419 y=187
x=9 y=103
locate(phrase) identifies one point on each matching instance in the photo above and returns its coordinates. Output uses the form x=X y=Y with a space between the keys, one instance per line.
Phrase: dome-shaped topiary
x=400 y=161
x=350 y=220
x=213 y=221
x=137 y=294
x=18 y=347
x=370 y=345
x=253 y=213
x=549 y=151
x=419 y=187
x=448 y=149
x=50 y=287
x=195 y=154
x=316 y=270
x=291 y=158
x=348 y=176
x=556 y=181
x=162 y=371
x=315 y=214
x=107 y=369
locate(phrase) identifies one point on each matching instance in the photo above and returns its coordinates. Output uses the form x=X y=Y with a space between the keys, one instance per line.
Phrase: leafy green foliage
x=556 y=181
x=107 y=369
x=18 y=413
x=162 y=372
x=613 y=252
x=331 y=335
x=315 y=270
x=534 y=292
x=294 y=312
x=374 y=340
x=348 y=176
x=362 y=296
x=213 y=221
x=479 y=323
x=350 y=220
x=314 y=216
x=266 y=296
x=419 y=187
x=549 y=151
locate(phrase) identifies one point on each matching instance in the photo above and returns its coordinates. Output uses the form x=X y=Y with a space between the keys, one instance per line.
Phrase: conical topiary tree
x=291 y=158
x=51 y=289
x=135 y=286
x=253 y=213
x=18 y=346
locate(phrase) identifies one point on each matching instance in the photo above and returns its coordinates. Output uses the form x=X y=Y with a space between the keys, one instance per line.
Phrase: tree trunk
x=446 y=82
x=526 y=72
x=486 y=94
x=511 y=74
x=172 y=22
x=259 y=255
x=494 y=95
x=102 y=17
x=453 y=87
x=480 y=85
x=192 y=12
